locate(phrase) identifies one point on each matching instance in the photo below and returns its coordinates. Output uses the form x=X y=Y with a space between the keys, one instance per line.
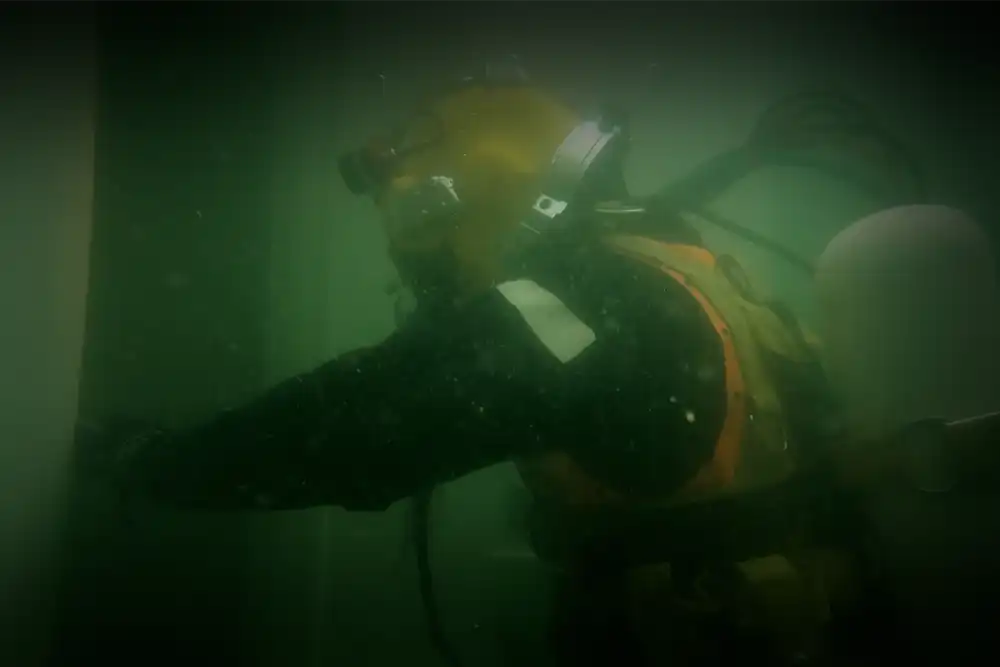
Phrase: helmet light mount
x=366 y=170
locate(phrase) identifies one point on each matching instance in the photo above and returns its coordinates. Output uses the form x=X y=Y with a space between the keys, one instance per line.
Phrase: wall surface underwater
x=47 y=122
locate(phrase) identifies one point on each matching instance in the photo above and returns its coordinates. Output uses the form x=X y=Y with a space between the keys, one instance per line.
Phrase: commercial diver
x=559 y=323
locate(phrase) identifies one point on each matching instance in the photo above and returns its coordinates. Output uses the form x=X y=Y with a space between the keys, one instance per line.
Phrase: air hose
x=420 y=514
x=810 y=131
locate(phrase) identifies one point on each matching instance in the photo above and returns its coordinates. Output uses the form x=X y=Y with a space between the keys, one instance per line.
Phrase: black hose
x=756 y=238
x=803 y=122
x=420 y=515
x=796 y=132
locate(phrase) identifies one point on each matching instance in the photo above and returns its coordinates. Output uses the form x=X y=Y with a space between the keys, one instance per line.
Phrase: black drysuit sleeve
x=427 y=405
x=440 y=399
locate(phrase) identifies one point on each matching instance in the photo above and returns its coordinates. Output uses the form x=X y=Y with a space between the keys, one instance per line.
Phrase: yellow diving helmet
x=479 y=171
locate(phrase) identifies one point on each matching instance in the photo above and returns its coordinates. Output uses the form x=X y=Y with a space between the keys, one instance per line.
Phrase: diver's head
x=473 y=171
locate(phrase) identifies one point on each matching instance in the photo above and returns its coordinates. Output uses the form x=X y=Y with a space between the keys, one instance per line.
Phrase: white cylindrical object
x=911 y=315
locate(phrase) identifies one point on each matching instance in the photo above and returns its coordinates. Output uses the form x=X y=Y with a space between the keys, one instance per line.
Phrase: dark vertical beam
x=46 y=179
x=175 y=326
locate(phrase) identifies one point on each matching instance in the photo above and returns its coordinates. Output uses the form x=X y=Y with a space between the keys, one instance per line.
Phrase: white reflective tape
x=562 y=332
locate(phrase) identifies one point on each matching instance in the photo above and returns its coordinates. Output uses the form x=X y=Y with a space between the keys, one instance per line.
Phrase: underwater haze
x=175 y=238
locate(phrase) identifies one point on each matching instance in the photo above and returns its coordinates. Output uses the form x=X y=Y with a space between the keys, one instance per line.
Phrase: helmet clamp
x=571 y=164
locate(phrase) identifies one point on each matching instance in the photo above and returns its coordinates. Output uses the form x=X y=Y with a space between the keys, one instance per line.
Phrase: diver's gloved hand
x=102 y=450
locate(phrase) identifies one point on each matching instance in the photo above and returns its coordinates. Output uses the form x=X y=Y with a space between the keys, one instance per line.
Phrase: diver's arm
x=362 y=431
x=933 y=452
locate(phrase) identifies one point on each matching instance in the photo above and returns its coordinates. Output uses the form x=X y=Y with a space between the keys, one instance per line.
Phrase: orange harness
x=558 y=475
